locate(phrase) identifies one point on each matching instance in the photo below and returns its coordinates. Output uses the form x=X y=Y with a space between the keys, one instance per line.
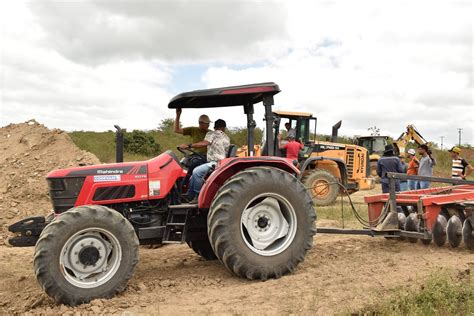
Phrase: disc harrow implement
x=438 y=214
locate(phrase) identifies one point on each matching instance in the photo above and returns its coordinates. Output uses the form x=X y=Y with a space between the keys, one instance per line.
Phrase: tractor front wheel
x=86 y=253
x=261 y=223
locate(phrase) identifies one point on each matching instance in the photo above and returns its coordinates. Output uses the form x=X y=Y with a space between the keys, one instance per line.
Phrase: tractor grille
x=114 y=192
x=350 y=162
x=64 y=192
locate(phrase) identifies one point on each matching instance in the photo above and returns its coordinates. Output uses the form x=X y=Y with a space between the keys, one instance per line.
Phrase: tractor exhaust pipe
x=118 y=144
x=335 y=129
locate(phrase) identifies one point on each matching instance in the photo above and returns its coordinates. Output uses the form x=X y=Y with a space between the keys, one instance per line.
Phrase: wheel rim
x=90 y=257
x=268 y=224
x=320 y=189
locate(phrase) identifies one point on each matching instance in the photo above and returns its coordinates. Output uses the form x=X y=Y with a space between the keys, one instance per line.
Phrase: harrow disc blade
x=411 y=225
x=401 y=220
x=439 y=230
x=454 y=231
x=468 y=233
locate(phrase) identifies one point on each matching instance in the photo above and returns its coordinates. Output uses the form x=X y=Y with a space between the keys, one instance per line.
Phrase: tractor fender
x=340 y=163
x=229 y=167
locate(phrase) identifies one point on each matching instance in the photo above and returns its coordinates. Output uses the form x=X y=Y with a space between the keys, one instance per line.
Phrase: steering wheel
x=188 y=152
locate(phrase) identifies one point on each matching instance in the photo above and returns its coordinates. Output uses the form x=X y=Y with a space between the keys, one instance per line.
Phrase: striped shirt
x=459 y=167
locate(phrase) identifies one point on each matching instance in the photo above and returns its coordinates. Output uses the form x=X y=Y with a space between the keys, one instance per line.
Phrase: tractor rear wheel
x=203 y=248
x=322 y=186
x=261 y=223
x=86 y=253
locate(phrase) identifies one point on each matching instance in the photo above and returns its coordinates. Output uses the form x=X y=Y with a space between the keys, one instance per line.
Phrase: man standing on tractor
x=217 y=144
x=461 y=168
x=412 y=169
x=388 y=163
x=197 y=133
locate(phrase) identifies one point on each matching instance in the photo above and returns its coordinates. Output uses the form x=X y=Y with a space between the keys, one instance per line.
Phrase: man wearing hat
x=388 y=163
x=217 y=143
x=461 y=168
x=197 y=133
x=412 y=169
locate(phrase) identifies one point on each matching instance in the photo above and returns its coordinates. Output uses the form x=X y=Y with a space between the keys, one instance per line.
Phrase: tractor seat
x=232 y=152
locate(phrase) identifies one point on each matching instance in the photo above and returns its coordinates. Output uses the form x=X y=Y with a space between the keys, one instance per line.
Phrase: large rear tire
x=86 y=253
x=322 y=186
x=261 y=223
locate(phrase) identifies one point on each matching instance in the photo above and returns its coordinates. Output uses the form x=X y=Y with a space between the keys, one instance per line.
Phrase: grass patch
x=441 y=294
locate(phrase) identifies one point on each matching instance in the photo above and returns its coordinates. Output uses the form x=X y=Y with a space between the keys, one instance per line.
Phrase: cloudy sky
x=87 y=65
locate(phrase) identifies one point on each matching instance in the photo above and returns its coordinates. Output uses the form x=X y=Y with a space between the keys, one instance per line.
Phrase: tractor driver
x=217 y=144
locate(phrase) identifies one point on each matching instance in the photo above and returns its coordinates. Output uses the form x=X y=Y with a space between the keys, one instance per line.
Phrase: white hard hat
x=412 y=151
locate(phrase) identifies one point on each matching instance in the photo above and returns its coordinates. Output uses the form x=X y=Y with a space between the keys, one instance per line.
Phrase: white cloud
x=190 y=31
x=374 y=63
x=92 y=64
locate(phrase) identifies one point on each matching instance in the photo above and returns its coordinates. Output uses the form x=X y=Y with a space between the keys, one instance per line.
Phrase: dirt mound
x=28 y=151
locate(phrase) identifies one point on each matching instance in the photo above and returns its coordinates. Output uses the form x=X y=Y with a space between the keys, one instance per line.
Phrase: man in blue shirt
x=388 y=163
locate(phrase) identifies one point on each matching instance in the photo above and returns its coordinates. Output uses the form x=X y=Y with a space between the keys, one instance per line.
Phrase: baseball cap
x=411 y=151
x=455 y=149
x=204 y=119
x=219 y=123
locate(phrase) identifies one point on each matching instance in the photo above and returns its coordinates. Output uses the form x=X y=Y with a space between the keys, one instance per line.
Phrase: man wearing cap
x=388 y=163
x=412 y=169
x=292 y=146
x=217 y=143
x=197 y=133
x=461 y=168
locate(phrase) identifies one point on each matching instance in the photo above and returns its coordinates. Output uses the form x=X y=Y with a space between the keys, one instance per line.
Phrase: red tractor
x=253 y=213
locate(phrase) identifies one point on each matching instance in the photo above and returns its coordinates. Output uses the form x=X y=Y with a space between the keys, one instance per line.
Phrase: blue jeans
x=197 y=179
x=403 y=186
x=412 y=184
x=424 y=184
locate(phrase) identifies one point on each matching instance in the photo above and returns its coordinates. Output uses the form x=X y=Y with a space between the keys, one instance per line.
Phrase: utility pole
x=460 y=133
x=442 y=137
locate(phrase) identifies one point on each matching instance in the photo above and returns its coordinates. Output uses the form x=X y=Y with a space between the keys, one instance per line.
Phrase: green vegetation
x=441 y=294
x=143 y=145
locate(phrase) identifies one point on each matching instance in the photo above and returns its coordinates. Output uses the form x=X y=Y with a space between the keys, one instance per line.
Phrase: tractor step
x=182 y=206
x=175 y=229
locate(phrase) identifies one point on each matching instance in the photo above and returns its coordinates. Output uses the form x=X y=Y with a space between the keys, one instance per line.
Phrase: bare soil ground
x=340 y=273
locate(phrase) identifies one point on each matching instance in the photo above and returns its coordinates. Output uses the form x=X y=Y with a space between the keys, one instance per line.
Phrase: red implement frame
x=430 y=200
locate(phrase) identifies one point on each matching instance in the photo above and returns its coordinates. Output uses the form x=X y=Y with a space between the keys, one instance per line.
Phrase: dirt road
x=340 y=274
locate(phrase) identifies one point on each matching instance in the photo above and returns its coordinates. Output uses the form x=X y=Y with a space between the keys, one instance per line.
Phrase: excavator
x=375 y=144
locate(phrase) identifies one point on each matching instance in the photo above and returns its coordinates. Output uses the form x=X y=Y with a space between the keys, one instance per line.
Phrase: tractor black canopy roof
x=226 y=96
